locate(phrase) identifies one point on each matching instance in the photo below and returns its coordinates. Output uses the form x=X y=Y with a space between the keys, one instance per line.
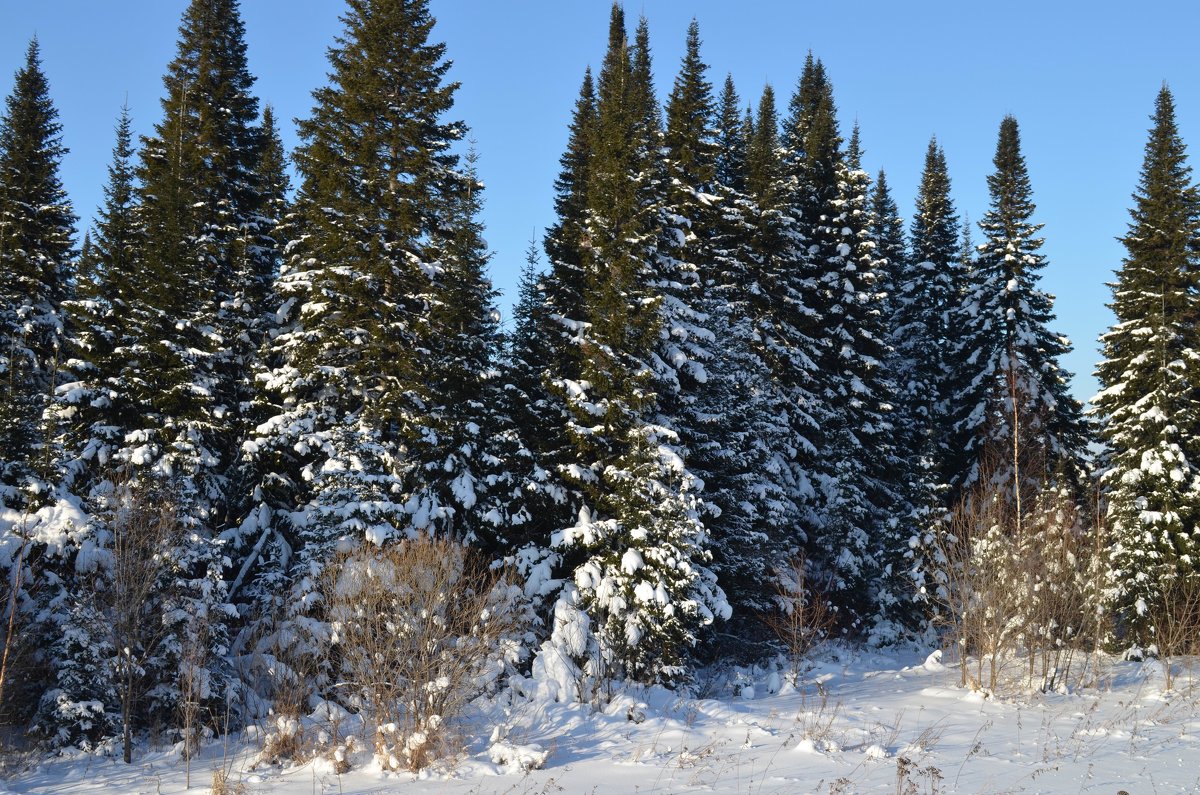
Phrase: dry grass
x=222 y=784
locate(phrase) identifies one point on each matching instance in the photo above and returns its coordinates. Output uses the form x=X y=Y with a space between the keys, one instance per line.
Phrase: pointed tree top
x=1010 y=188
x=854 y=151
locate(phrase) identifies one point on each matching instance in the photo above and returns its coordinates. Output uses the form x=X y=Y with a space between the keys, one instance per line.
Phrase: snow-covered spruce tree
x=251 y=315
x=891 y=250
x=1015 y=417
x=545 y=344
x=249 y=530
x=375 y=425
x=636 y=554
x=726 y=408
x=865 y=500
x=775 y=291
x=95 y=405
x=928 y=293
x=191 y=343
x=763 y=169
x=891 y=245
x=79 y=707
x=810 y=159
x=1149 y=375
x=752 y=478
x=459 y=469
x=36 y=226
x=732 y=139
x=198 y=204
x=839 y=289
x=537 y=431
x=927 y=290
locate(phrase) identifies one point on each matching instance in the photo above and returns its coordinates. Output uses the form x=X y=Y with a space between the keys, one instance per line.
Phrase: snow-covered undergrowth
x=858 y=722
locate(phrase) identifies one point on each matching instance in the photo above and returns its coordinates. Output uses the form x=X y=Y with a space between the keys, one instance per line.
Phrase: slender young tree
x=458 y=469
x=732 y=139
x=80 y=709
x=555 y=318
x=98 y=410
x=36 y=228
x=536 y=414
x=1149 y=377
x=1014 y=410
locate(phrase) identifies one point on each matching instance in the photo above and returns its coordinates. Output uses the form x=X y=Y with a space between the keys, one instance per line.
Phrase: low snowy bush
x=420 y=629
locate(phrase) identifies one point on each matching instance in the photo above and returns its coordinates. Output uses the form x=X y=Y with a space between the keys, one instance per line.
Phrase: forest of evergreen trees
x=738 y=385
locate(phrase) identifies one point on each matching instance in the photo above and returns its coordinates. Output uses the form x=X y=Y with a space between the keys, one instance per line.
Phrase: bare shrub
x=804 y=617
x=193 y=689
x=144 y=525
x=1060 y=571
x=1007 y=590
x=419 y=629
x=972 y=586
x=912 y=779
x=1176 y=621
x=291 y=677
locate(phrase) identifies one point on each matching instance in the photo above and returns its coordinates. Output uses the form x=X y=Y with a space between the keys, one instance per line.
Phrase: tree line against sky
x=737 y=363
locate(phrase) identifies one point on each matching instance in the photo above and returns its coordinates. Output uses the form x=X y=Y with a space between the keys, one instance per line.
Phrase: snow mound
x=518 y=758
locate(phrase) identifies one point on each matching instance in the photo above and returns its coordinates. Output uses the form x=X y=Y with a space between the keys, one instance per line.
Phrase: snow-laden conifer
x=379 y=395
x=36 y=229
x=1149 y=379
x=636 y=553
x=1015 y=417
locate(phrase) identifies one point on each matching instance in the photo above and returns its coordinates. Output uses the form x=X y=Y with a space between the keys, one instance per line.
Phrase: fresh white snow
x=856 y=722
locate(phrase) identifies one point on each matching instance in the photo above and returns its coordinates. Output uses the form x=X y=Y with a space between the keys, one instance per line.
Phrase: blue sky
x=1079 y=76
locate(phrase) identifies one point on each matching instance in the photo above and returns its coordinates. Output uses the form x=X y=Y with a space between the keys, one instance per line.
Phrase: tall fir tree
x=776 y=292
x=1016 y=420
x=636 y=553
x=891 y=244
x=461 y=472
x=36 y=228
x=1149 y=377
x=249 y=531
x=834 y=274
x=727 y=410
x=381 y=385
x=192 y=325
x=199 y=205
x=538 y=425
x=812 y=160
x=929 y=293
x=863 y=497
x=80 y=708
x=732 y=139
x=763 y=169
x=98 y=410
x=554 y=320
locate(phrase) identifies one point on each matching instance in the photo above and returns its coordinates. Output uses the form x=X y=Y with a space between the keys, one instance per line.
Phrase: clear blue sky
x=1079 y=76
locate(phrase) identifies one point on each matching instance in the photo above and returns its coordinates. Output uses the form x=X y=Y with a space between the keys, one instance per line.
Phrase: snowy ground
x=862 y=722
